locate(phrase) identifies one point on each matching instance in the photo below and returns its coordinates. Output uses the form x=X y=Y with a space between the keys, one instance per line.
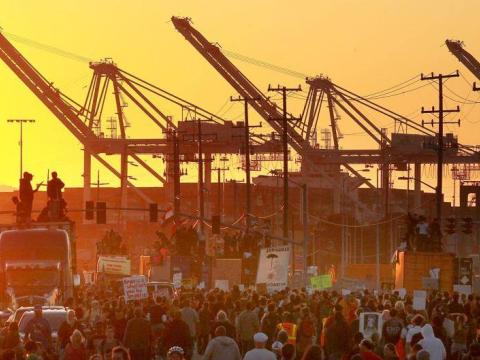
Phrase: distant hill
x=6 y=188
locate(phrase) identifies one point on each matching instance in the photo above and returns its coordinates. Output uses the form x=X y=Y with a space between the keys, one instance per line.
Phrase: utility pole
x=219 y=190
x=248 y=202
x=97 y=183
x=440 y=111
x=176 y=175
x=201 y=204
x=20 y=143
x=285 y=119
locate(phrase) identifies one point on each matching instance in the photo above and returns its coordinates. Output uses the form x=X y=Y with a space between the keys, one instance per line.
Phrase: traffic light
x=451 y=225
x=89 y=210
x=101 y=212
x=467 y=225
x=153 y=210
x=215 y=224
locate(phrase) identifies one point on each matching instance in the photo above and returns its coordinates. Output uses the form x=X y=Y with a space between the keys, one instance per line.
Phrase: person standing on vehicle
x=26 y=193
x=54 y=187
x=38 y=329
x=137 y=336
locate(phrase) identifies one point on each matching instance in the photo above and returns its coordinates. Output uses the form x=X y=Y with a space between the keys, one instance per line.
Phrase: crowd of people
x=218 y=325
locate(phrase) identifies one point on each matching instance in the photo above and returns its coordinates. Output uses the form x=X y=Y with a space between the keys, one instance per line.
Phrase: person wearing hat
x=260 y=352
x=26 y=193
x=175 y=353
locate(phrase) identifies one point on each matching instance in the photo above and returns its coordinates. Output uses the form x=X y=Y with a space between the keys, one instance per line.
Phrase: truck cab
x=36 y=266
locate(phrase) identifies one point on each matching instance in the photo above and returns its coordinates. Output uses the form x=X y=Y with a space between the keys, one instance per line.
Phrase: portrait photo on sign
x=370 y=323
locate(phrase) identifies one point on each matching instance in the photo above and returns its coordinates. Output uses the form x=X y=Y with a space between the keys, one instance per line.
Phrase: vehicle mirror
x=76 y=280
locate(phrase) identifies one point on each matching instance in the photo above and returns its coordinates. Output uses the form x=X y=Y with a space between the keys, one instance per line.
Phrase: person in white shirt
x=432 y=344
x=259 y=352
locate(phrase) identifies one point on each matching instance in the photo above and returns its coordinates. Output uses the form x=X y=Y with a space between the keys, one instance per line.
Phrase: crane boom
x=456 y=47
x=212 y=53
x=44 y=90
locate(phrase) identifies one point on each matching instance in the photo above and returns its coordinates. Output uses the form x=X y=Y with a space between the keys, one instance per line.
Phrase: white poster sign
x=135 y=288
x=273 y=267
x=222 y=285
x=177 y=280
x=419 y=299
x=370 y=323
x=114 y=265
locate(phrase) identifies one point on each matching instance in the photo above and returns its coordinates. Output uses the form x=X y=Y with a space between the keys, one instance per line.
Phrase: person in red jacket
x=366 y=350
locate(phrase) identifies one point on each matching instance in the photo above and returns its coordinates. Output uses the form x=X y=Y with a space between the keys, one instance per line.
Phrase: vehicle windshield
x=32 y=281
x=54 y=318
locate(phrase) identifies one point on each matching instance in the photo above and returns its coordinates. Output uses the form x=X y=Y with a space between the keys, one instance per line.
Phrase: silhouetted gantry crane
x=456 y=47
x=84 y=121
x=415 y=147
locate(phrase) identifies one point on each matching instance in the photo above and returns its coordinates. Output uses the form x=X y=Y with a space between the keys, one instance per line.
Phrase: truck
x=37 y=264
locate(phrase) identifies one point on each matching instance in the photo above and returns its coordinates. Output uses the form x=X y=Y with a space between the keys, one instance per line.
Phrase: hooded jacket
x=432 y=344
x=222 y=347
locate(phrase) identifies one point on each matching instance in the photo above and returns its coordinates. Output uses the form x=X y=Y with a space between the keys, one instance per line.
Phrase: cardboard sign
x=114 y=265
x=135 y=288
x=321 y=282
x=177 y=280
x=462 y=289
x=273 y=267
x=429 y=283
x=419 y=299
x=370 y=323
x=222 y=285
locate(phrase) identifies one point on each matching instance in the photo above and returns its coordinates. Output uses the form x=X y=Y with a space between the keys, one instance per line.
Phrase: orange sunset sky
x=365 y=46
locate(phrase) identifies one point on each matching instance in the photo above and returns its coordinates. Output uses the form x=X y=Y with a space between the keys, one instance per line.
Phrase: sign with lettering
x=135 y=288
x=273 y=267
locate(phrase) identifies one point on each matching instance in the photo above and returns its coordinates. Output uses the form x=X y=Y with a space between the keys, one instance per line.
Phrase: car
x=17 y=314
x=55 y=318
x=162 y=289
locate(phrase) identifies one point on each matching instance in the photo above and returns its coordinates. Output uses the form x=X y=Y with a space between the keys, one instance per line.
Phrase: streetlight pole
x=305 y=231
x=21 y=122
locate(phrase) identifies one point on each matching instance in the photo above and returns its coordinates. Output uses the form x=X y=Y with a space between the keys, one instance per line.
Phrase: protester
x=247 y=324
x=75 y=349
x=137 y=336
x=38 y=329
x=432 y=344
x=222 y=347
x=259 y=352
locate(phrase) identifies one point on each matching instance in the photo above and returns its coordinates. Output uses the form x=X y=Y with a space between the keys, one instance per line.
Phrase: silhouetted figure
x=435 y=236
x=423 y=234
x=26 y=193
x=19 y=210
x=54 y=187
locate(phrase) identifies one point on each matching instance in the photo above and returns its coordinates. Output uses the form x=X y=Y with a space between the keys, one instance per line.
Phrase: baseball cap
x=260 y=337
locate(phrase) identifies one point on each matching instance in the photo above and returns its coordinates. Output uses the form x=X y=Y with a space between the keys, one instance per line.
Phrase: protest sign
x=135 y=288
x=321 y=282
x=177 y=280
x=222 y=285
x=370 y=323
x=273 y=267
x=419 y=299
